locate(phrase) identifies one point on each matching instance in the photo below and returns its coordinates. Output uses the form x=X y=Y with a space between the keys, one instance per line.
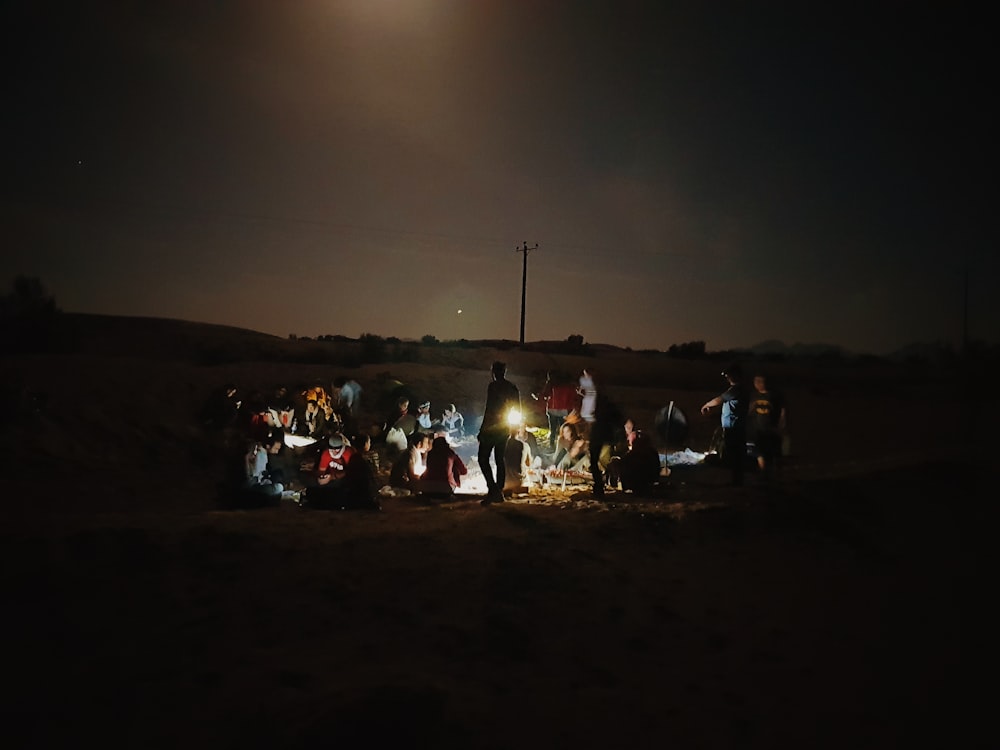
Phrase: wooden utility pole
x=524 y=280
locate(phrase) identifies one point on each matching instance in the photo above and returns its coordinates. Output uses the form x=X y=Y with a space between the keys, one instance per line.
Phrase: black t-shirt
x=765 y=411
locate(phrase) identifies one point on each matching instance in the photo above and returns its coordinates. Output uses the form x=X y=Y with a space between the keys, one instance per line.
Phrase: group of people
x=584 y=429
x=588 y=434
x=311 y=449
x=753 y=423
x=261 y=433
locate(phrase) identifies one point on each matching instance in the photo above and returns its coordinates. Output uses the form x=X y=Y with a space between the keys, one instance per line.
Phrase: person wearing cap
x=501 y=397
x=343 y=478
x=735 y=402
x=453 y=422
x=424 y=415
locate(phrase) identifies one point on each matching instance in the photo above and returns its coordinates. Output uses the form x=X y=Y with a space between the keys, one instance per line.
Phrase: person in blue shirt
x=735 y=401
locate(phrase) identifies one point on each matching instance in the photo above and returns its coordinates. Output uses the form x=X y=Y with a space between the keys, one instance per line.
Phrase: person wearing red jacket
x=343 y=478
x=444 y=471
x=560 y=399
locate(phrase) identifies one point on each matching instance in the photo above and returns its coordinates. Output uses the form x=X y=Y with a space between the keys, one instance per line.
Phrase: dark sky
x=726 y=172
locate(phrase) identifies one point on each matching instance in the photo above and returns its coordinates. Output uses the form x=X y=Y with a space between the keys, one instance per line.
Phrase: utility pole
x=524 y=280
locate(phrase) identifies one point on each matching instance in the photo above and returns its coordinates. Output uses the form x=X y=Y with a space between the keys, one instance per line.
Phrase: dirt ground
x=830 y=609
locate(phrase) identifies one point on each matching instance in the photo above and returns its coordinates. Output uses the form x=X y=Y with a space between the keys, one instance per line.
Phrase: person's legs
x=485 y=449
x=736 y=450
x=596 y=443
x=499 y=448
x=770 y=448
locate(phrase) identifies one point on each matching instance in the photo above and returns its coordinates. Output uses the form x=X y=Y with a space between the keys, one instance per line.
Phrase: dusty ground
x=830 y=610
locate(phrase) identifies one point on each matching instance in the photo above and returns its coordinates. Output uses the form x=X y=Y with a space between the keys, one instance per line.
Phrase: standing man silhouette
x=501 y=397
x=735 y=402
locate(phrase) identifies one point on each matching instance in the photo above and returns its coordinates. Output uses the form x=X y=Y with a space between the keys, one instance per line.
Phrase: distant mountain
x=774 y=347
x=930 y=351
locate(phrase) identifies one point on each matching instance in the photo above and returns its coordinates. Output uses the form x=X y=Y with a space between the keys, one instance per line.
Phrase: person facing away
x=607 y=417
x=639 y=467
x=734 y=401
x=348 y=395
x=444 y=471
x=767 y=422
x=501 y=397
x=517 y=461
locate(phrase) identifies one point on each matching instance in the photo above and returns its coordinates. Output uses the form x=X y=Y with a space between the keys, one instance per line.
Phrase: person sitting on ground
x=334 y=420
x=314 y=419
x=363 y=444
x=343 y=479
x=571 y=449
x=257 y=488
x=639 y=468
x=398 y=431
x=316 y=393
x=527 y=437
x=444 y=471
x=409 y=467
x=517 y=461
x=253 y=419
x=282 y=408
x=453 y=422
x=424 y=416
x=400 y=413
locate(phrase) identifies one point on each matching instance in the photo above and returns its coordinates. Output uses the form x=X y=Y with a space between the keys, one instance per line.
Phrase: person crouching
x=343 y=479
x=444 y=471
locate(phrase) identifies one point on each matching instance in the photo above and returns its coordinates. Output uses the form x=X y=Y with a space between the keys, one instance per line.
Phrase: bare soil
x=829 y=609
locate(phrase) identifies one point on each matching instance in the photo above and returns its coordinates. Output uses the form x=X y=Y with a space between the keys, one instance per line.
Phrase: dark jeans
x=769 y=449
x=734 y=451
x=493 y=442
x=599 y=437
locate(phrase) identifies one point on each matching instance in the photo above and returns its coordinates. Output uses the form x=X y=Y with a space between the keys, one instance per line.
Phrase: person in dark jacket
x=501 y=397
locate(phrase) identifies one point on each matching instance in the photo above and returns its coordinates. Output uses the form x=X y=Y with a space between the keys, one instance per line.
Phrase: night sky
x=725 y=172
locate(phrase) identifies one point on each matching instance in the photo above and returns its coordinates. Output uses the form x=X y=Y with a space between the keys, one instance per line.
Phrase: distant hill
x=774 y=347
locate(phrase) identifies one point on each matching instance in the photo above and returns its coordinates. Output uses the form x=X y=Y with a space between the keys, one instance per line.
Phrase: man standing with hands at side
x=501 y=397
x=735 y=402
